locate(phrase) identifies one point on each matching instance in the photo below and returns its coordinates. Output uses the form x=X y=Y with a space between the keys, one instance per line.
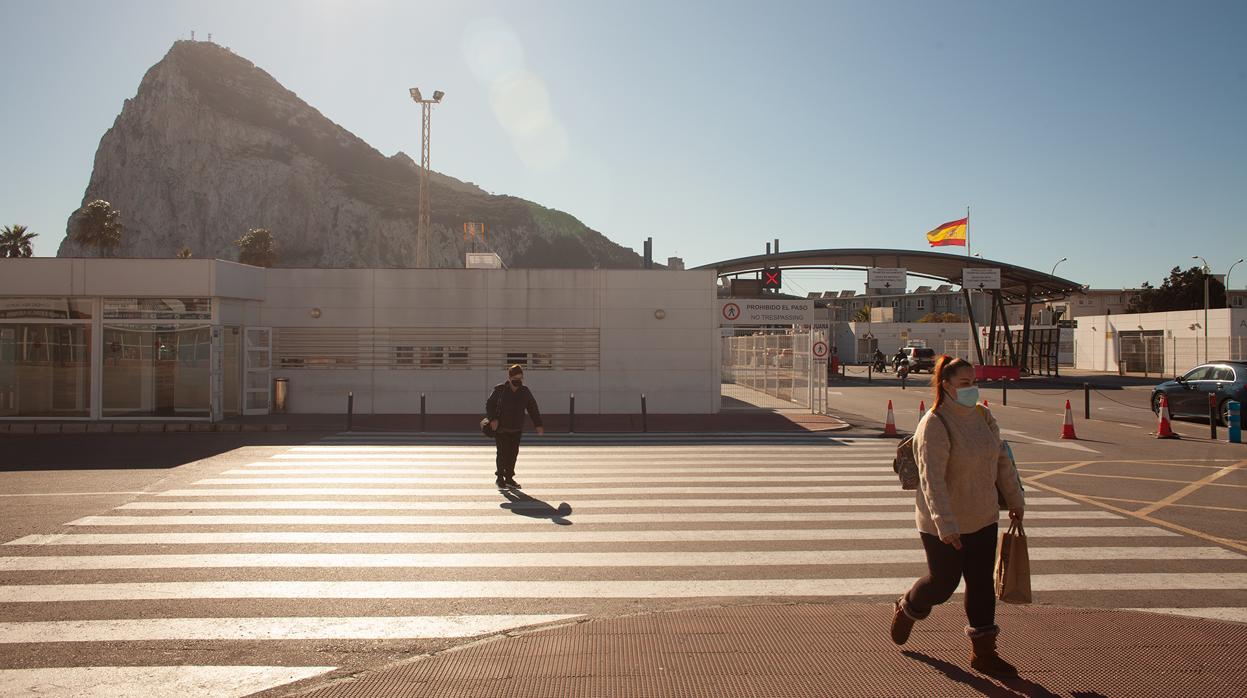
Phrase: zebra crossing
x=365 y=548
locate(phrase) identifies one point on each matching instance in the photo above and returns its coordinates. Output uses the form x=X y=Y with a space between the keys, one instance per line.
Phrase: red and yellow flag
x=951 y=233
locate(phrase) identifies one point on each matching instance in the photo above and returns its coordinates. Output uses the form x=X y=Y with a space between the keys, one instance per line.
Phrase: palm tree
x=98 y=225
x=257 y=248
x=184 y=253
x=862 y=315
x=15 y=241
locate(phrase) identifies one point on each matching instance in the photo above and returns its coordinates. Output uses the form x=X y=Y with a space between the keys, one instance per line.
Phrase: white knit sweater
x=958 y=477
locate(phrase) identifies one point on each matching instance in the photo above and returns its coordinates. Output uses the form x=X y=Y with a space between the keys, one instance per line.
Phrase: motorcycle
x=880 y=366
x=902 y=370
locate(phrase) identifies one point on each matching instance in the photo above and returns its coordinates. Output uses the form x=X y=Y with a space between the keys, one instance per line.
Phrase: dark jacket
x=508 y=407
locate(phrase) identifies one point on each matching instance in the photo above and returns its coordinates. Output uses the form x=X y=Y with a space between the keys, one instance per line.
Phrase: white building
x=1161 y=343
x=205 y=339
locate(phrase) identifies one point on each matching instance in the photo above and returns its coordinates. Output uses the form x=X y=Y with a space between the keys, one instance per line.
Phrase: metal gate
x=773 y=369
x=257 y=393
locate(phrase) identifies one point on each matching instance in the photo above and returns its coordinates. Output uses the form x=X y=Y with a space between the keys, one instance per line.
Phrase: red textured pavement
x=826 y=650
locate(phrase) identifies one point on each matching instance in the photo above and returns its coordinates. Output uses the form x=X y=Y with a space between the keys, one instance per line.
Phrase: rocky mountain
x=212 y=146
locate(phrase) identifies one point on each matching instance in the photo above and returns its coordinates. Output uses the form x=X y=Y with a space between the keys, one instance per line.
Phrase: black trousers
x=508 y=450
x=976 y=562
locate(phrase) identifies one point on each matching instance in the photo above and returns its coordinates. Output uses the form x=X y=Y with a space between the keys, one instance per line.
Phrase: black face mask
x=516 y=382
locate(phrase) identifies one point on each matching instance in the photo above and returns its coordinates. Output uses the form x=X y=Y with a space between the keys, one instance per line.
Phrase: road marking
x=568 y=535
x=578 y=589
x=252 y=477
x=750 y=466
x=150 y=681
x=1237 y=545
x=1181 y=506
x=554 y=560
x=904 y=499
x=1154 y=479
x=1065 y=469
x=1050 y=444
x=551 y=493
x=1221 y=613
x=1191 y=488
x=506 y=519
x=71 y=494
x=268 y=628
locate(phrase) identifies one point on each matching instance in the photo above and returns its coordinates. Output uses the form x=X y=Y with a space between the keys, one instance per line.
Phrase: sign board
x=748 y=311
x=980 y=279
x=820 y=350
x=885 y=277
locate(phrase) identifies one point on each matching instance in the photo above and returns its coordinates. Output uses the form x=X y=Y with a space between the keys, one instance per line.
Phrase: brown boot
x=901 y=623
x=983 y=657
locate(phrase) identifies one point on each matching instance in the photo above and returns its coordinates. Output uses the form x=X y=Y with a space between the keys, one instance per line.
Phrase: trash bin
x=281 y=389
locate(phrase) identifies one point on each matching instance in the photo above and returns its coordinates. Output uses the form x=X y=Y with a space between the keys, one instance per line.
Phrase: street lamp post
x=1058 y=263
x=1227 y=282
x=422 y=225
x=1207 y=272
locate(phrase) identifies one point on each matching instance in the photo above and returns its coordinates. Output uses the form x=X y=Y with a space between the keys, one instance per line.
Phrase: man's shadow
x=523 y=505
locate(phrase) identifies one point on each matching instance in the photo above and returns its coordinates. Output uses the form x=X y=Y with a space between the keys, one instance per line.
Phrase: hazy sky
x=1112 y=133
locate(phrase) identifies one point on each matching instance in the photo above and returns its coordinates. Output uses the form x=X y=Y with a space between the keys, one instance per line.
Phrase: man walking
x=505 y=409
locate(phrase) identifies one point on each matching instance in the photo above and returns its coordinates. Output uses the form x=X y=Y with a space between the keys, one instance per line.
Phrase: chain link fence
x=1150 y=353
x=772 y=370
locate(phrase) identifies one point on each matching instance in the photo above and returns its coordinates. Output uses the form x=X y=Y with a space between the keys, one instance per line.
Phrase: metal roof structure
x=1016 y=283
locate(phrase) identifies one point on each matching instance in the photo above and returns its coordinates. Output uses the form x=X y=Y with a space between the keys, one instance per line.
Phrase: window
x=156 y=370
x=1198 y=374
x=515 y=357
x=1238 y=300
x=157 y=308
x=45 y=308
x=1223 y=373
x=45 y=370
x=405 y=355
x=922 y=303
x=457 y=356
x=431 y=357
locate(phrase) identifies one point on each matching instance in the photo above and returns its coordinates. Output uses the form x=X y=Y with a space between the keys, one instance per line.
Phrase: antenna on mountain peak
x=209 y=37
x=192 y=35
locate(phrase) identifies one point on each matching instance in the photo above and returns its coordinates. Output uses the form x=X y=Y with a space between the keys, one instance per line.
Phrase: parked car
x=920 y=359
x=1188 y=394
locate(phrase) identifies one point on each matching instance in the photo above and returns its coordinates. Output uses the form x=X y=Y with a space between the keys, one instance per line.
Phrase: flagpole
x=967 y=231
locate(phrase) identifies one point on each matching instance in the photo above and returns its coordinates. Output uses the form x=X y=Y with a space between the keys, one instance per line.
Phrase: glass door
x=258 y=342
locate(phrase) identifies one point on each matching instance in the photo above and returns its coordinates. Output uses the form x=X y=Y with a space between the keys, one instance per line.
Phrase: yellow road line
x=1143 y=479
x=1182 y=506
x=1228 y=542
x=1066 y=469
x=1193 y=487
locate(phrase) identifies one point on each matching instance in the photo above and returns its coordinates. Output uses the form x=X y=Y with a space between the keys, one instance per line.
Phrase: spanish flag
x=951 y=233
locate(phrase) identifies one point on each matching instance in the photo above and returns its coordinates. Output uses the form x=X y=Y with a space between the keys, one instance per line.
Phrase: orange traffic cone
x=889 y=425
x=1163 y=428
x=1067 y=431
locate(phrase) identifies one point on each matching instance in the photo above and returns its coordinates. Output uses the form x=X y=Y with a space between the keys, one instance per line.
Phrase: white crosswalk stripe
x=362 y=539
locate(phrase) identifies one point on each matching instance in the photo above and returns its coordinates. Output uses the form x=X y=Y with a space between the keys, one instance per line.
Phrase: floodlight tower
x=422 y=227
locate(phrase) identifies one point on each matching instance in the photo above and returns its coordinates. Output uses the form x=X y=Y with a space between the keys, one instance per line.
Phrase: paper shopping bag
x=1013 y=566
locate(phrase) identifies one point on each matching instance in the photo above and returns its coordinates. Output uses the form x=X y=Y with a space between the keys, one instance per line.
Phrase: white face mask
x=968 y=397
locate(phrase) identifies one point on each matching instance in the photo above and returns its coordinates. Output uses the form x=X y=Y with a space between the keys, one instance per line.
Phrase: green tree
x=862 y=315
x=15 y=241
x=257 y=248
x=184 y=253
x=1183 y=290
x=98 y=225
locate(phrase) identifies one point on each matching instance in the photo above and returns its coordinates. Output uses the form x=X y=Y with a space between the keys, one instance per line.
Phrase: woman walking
x=962 y=465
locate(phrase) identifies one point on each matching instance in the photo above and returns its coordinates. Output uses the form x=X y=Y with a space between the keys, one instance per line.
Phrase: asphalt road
x=1192 y=483
x=188 y=564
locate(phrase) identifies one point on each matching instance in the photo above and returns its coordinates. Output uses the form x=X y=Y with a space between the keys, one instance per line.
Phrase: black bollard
x=1004 y=392
x=644 y=416
x=423 y=414
x=571 y=414
x=1086 y=400
x=869 y=372
x=350 y=409
x=1212 y=415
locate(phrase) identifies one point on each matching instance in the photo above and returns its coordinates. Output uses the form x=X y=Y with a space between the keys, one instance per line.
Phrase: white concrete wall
x=672 y=360
x=892 y=335
x=1097 y=344
x=126 y=278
